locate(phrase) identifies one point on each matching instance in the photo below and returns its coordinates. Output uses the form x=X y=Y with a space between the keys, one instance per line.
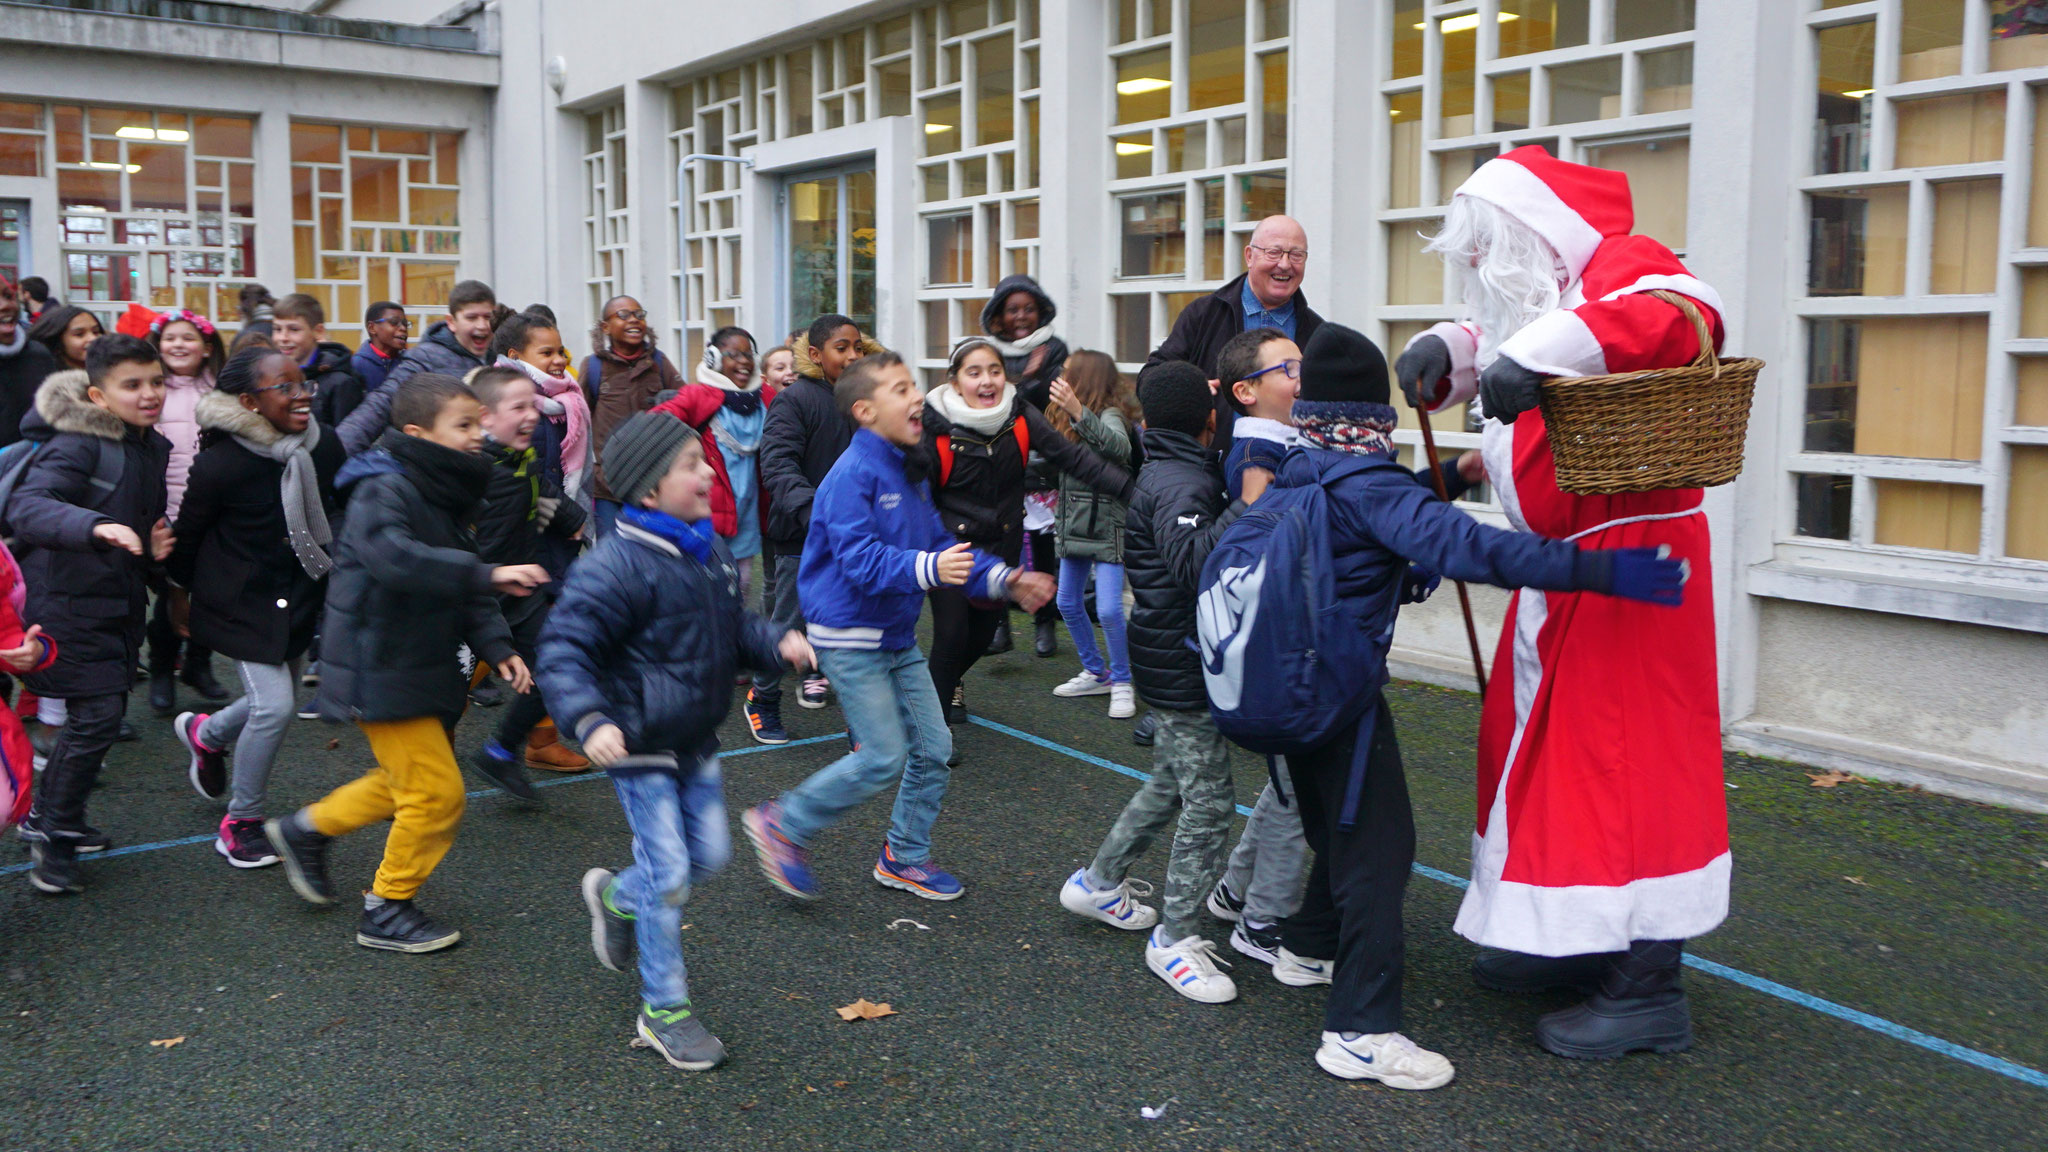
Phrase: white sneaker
x=1300 y=971
x=1112 y=906
x=1122 y=703
x=1388 y=1057
x=1086 y=684
x=1190 y=967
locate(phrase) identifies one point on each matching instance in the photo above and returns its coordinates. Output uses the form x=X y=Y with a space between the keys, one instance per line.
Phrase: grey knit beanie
x=639 y=451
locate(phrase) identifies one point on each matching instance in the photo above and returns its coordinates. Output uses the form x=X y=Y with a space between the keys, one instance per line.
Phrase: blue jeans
x=1109 y=610
x=679 y=839
x=892 y=712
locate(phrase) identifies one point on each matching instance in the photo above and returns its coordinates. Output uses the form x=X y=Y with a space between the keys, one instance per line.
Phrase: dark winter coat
x=982 y=500
x=21 y=373
x=508 y=529
x=89 y=596
x=372 y=366
x=1036 y=385
x=408 y=588
x=438 y=351
x=803 y=438
x=1206 y=325
x=1177 y=514
x=251 y=598
x=1090 y=524
x=337 y=390
x=646 y=637
x=620 y=390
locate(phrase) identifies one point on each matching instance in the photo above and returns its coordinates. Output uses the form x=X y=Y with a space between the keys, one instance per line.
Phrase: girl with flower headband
x=190 y=348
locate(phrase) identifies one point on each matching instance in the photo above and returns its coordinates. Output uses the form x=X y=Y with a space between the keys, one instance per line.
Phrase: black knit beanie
x=1340 y=365
x=1175 y=395
x=639 y=451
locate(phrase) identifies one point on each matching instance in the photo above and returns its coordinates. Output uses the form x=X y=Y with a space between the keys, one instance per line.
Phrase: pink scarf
x=574 y=417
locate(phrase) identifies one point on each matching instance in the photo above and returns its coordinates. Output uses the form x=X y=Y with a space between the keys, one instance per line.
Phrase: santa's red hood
x=1573 y=206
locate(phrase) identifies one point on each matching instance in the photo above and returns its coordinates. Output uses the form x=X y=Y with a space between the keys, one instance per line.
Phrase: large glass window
x=375 y=216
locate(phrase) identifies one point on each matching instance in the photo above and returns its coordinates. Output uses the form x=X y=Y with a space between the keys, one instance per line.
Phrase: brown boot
x=546 y=752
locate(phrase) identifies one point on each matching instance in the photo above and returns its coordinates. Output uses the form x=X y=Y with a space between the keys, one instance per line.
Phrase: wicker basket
x=1660 y=428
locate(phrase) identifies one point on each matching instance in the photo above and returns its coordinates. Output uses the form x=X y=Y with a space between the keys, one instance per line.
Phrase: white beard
x=1506 y=273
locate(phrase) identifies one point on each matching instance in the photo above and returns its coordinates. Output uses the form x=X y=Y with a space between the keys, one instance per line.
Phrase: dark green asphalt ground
x=1020 y=1026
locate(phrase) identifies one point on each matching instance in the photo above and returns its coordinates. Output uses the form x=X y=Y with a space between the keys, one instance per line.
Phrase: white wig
x=1506 y=272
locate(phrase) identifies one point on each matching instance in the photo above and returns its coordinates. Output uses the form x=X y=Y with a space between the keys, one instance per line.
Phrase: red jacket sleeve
x=695 y=405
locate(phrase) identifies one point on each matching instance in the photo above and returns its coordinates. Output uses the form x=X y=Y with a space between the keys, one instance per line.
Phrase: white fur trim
x=1463 y=341
x=1575 y=920
x=1513 y=188
x=1683 y=285
x=1497 y=451
x=1558 y=344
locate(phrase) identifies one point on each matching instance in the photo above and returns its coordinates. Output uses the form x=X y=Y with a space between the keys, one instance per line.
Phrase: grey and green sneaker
x=611 y=931
x=680 y=1037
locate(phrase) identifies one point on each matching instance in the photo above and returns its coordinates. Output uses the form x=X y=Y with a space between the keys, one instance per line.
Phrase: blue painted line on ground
x=160 y=845
x=1878 y=1024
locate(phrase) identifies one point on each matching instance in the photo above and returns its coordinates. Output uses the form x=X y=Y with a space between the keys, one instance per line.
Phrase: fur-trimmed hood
x=223 y=412
x=62 y=405
x=800 y=351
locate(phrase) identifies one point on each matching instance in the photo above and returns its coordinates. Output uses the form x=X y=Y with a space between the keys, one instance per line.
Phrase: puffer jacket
x=1036 y=385
x=437 y=351
x=647 y=637
x=408 y=589
x=251 y=598
x=1177 y=515
x=180 y=425
x=90 y=597
x=508 y=527
x=337 y=390
x=981 y=501
x=804 y=437
x=620 y=389
x=1090 y=524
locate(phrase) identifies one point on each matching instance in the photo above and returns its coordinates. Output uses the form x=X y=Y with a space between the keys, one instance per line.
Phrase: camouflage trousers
x=1191 y=773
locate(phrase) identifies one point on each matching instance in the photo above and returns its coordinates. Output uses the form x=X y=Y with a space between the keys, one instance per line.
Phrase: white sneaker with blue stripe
x=1299 y=971
x=1190 y=967
x=1112 y=906
x=1388 y=1057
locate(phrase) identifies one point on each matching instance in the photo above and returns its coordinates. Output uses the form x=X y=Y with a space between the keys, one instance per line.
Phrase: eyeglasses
x=1291 y=367
x=294 y=389
x=628 y=314
x=1281 y=255
x=394 y=321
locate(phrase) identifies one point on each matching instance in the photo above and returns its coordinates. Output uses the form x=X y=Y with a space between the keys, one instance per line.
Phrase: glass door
x=829 y=246
x=13 y=238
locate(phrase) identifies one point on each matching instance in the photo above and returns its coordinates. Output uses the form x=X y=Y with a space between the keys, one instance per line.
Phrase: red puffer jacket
x=695 y=405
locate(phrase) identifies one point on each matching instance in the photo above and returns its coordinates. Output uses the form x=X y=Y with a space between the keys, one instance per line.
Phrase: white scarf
x=20 y=341
x=1022 y=347
x=984 y=422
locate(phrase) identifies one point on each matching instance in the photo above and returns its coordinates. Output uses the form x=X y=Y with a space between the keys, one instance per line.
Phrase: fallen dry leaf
x=863 y=1009
x=173 y=1042
x=841 y=1083
x=750 y=1105
x=333 y=744
x=1831 y=777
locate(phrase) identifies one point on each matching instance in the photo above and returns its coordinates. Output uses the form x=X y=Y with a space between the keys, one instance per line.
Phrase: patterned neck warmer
x=1359 y=427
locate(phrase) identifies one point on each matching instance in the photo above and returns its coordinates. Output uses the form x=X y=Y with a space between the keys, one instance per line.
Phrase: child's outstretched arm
x=1186 y=533
x=584 y=634
x=378 y=525
x=44 y=510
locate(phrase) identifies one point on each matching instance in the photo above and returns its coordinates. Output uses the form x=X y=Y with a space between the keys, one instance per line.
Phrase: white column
x=1077 y=229
x=1337 y=174
x=274 y=268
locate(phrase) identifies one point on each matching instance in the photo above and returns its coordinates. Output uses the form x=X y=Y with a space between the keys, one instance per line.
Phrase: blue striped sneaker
x=786 y=865
x=1189 y=965
x=1112 y=906
x=917 y=879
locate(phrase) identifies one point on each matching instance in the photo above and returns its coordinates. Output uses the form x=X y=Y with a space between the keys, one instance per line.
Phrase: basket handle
x=1706 y=357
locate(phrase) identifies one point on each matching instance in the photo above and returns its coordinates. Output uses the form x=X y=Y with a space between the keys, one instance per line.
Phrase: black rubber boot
x=163 y=693
x=198 y=676
x=1046 y=643
x=1640 y=1006
x=1523 y=974
x=1000 y=642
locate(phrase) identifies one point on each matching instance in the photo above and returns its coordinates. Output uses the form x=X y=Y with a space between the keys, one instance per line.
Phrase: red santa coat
x=1602 y=817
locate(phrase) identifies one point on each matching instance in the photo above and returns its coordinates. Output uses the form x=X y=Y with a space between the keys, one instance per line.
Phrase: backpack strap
x=106 y=471
x=943 y=446
x=593 y=375
x=1021 y=429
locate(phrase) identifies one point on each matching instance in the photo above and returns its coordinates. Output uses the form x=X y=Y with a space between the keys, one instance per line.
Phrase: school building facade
x=1858 y=178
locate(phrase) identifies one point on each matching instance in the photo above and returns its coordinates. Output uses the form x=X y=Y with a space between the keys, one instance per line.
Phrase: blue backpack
x=16 y=458
x=1289 y=666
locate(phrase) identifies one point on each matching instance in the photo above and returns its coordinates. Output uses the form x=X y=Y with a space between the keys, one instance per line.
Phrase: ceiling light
x=1467 y=23
x=173 y=135
x=1858 y=94
x=1128 y=148
x=127 y=133
x=1141 y=85
x=935 y=129
x=83 y=208
x=110 y=166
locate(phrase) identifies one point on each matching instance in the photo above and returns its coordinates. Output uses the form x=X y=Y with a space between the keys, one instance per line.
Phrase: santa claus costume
x=1602 y=839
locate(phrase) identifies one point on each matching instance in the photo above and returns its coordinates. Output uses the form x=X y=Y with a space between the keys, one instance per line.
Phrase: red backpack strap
x=1021 y=429
x=943 y=447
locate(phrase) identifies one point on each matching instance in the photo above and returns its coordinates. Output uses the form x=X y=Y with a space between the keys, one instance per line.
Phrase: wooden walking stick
x=1436 y=477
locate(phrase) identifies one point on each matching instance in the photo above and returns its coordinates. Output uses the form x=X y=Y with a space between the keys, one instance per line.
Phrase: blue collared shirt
x=1257 y=315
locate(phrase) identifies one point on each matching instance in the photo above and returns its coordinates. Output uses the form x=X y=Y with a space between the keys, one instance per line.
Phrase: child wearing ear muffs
x=734 y=432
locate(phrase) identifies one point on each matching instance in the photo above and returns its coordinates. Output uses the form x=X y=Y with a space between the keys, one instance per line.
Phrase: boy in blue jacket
x=876 y=546
x=639 y=654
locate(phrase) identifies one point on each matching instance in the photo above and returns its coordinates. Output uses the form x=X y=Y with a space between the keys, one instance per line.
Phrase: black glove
x=1506 y=390
x=1427 y=361
x=1417 y=583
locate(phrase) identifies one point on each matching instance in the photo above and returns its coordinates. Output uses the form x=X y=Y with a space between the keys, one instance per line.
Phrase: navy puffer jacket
x=645 y=637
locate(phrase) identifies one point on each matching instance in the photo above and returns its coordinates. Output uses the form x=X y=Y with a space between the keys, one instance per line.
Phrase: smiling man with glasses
x=1268 y=295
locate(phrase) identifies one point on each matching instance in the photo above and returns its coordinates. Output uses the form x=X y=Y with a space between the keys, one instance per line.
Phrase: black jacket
x=1177 y=515
x=338 y=391
x=1206 y=325
x=1035 y=386
x=20 y=375
x=438 y=351
x=408 y=589
x=89 y=596
x=981 y=501
x=251 y=598
x=508 y=529
x=802 y=439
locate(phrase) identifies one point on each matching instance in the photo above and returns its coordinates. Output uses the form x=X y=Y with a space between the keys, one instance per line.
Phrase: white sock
x=372 y=901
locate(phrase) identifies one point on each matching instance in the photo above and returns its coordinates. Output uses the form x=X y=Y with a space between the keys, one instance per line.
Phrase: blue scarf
x=692 y=537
